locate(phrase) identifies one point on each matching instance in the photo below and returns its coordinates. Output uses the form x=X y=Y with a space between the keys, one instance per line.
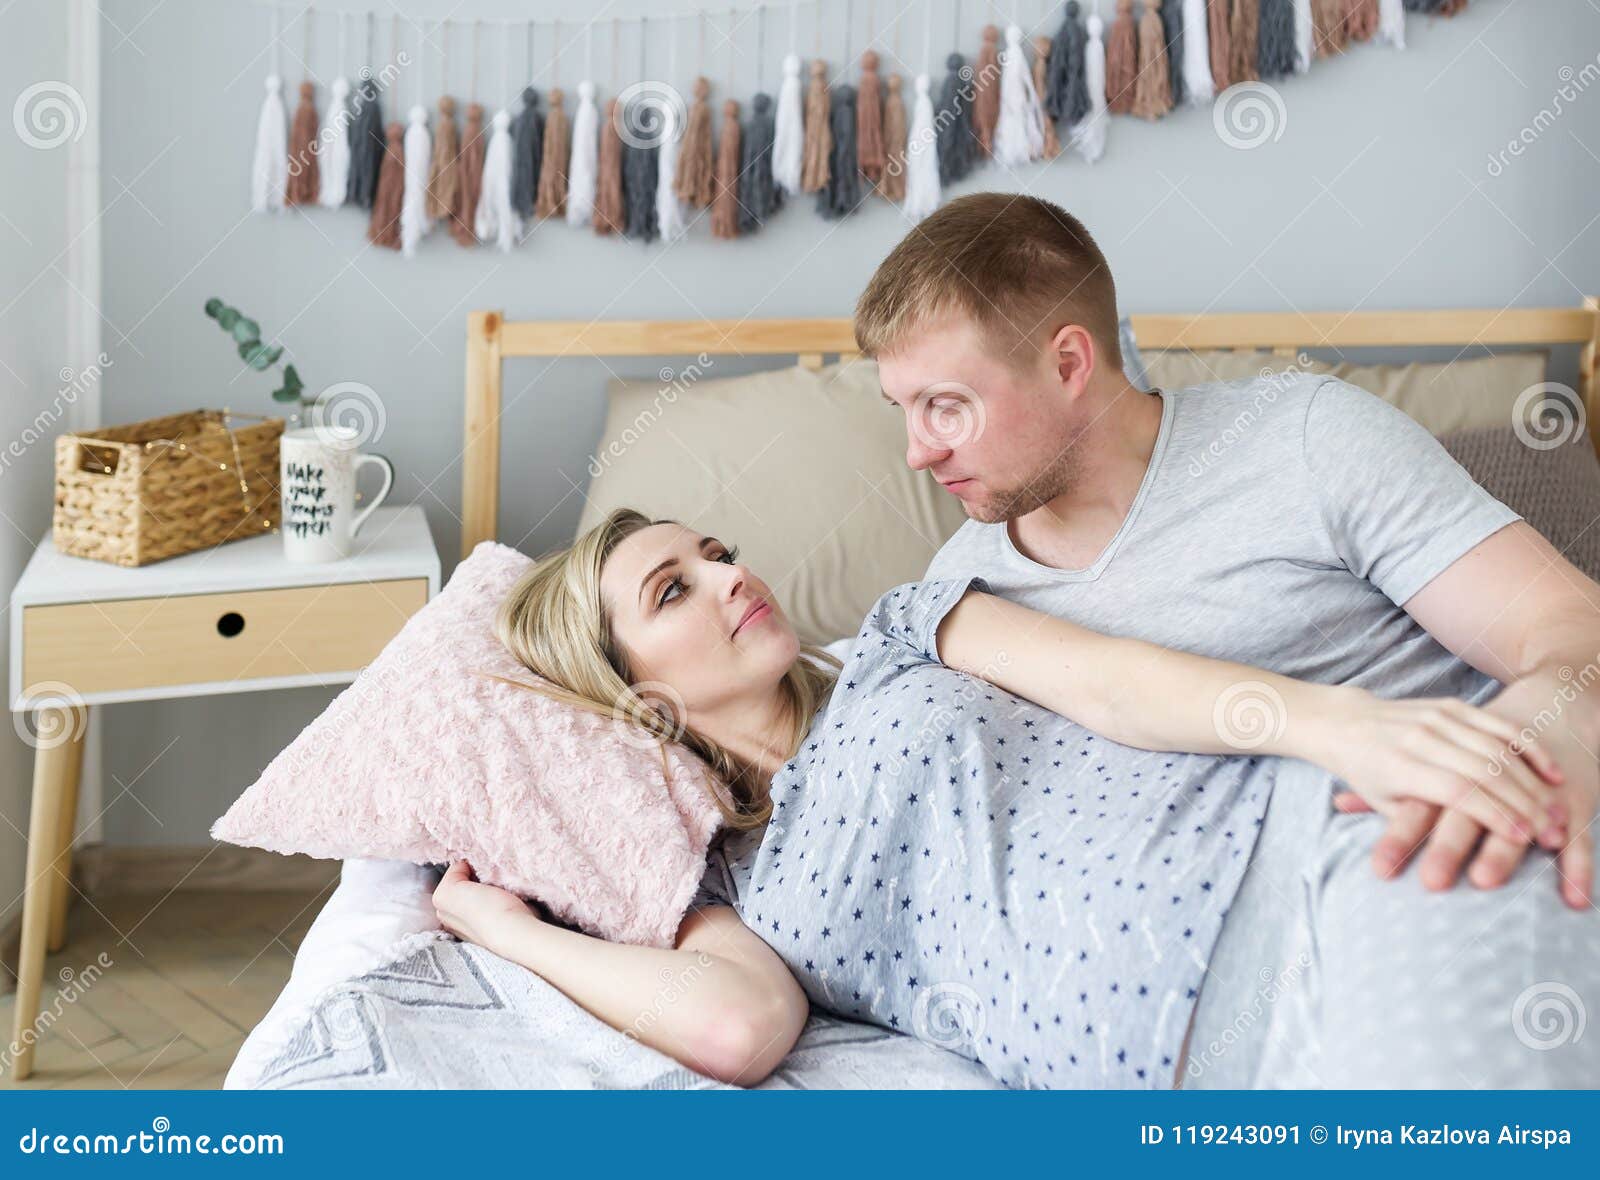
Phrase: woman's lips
x=754 y=615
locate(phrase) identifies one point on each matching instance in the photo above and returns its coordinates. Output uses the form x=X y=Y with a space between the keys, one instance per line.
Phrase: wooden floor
x=190 y=974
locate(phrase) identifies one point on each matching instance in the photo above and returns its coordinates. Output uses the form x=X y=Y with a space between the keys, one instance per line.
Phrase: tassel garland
x=609 y=214
x=759 y=196
x=818 y=146
x=1152 y=91
x=1198 y=87
x=269 y=172
x=469 y=179
x=893 y=184
x=788 y=136
x=552 y=198
x=725 y=201
x=843 y=192
x=1089 y=136
x=1275 y=47
x=696 y=162
x=335 y=170
x=585 y=157
x=954 y=123
x=383 y=228
x=445 y=172
x=1242 y=40
x=527 y=153
x=869 y=119
x=1122 y=61
x=366 y=147
x=1019 y=130
x=922 y=156
x=303 y=184
x=414 y=221
x=495 y=217
x=986 y=91
x=1041 y=81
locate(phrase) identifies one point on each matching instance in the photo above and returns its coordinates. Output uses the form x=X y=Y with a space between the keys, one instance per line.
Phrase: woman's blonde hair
x=554 y=621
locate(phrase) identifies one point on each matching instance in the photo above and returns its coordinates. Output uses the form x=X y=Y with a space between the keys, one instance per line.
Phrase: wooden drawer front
x=137 y=643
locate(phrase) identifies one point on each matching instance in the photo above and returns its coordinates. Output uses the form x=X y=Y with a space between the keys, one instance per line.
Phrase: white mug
x=317 y=468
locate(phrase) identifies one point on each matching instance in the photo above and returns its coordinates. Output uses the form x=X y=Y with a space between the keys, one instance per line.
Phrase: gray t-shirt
x=1282 y=522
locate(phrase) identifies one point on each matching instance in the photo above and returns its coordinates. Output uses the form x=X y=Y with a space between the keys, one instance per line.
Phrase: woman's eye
x=673 y=589
x=729 y=556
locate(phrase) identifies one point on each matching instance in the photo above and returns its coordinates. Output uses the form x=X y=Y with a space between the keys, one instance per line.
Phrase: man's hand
x=1546 y=707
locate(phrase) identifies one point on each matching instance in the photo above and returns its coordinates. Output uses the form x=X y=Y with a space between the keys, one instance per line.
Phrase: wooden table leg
x=61 y=893
x=55 y=762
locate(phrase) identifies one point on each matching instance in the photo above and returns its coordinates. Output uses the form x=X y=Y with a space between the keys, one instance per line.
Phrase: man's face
x=997 y=436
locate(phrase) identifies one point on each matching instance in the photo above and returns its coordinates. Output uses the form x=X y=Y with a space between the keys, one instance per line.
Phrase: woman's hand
x=1441 y=751
x=473 y=911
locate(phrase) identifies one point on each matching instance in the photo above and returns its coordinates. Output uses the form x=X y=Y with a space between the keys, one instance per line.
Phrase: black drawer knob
x=230 y=624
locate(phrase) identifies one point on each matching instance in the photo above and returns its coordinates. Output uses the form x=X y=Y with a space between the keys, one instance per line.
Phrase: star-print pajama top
x=959 y=864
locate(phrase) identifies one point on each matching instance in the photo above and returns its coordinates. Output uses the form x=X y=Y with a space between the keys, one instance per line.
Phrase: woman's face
x=690 y=618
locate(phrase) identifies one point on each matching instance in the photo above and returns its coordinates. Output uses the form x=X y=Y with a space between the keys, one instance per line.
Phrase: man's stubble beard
x=1006 y=504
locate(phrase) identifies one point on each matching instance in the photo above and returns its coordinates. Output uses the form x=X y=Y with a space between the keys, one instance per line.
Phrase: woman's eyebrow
x=669 y=563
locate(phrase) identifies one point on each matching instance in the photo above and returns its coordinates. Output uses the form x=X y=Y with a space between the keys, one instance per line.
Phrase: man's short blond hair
x=1017 y=266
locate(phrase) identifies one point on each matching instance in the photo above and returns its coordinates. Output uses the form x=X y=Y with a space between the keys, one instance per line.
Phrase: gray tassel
x=955 y=141
x=527 y=138
x=759 y=197
x=843 y=192
x=1275 y=40
x=368 y=142
x=1172 y=29
x=1066 y=97
x=640 y=178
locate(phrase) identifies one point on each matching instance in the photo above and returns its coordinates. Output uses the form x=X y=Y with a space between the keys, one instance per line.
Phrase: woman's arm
x=1144 y=695
x=721 y=1002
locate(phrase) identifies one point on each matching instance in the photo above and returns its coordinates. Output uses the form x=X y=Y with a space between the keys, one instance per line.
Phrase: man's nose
x=920 y=454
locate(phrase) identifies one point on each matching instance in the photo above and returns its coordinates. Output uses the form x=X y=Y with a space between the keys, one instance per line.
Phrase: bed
x=379 y=997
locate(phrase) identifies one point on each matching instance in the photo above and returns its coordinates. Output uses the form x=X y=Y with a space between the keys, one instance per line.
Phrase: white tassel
x=1198 y=87
x=1305 y=33
x=494 y=217
x=585 y=157
x=1089 y=135
x=669 y=210
x=269 y=173
x=789 y=132
x=1392 y=23
x=334 y=166
x=1019 y=133
x=414 y=221
x=922 y=157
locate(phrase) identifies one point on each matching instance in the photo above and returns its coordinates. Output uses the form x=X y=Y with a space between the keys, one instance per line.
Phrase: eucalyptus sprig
x=260 y=357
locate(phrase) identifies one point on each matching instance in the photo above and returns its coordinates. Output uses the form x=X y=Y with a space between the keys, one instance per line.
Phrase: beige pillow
x=1442 y=395
x=804 y=471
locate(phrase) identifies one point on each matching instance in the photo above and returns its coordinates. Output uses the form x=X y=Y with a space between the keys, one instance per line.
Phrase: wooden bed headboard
x=491 y=338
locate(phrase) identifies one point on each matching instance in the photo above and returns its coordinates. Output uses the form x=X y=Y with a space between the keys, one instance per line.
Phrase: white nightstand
x=233 y=618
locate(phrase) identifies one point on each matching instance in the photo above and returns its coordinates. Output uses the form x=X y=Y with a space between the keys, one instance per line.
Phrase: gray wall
x=33 y=349
x=1377 y=194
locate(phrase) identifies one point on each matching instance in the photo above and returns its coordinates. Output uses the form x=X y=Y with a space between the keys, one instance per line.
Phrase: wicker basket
x=129 y=503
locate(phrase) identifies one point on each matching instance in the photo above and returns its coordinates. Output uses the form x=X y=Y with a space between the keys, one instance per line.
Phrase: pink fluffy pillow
x=422 y=759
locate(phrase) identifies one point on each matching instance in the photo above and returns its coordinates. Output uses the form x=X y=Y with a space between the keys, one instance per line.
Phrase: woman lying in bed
x=933 y=837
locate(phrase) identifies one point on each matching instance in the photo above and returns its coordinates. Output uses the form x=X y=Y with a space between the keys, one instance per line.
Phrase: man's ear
x=1075 y=357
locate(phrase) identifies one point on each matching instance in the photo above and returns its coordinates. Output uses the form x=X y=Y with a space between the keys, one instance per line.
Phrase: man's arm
x=1514 y=608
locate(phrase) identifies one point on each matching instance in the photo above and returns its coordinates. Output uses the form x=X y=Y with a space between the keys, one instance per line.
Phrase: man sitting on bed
x=1298 y=523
